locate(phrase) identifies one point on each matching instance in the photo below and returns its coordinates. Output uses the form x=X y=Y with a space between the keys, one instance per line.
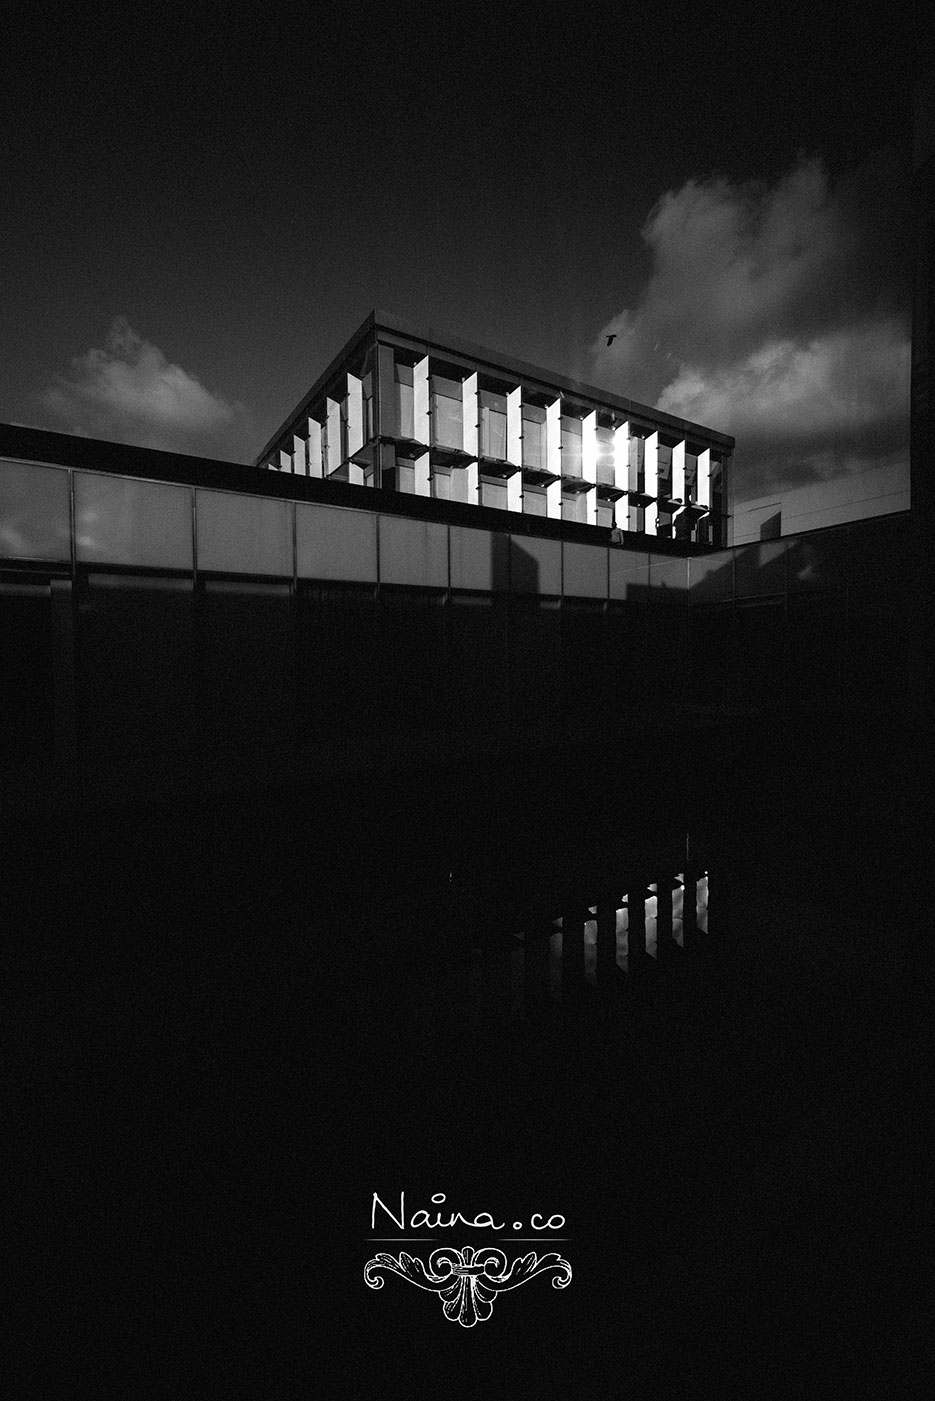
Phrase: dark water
x=233 y=1024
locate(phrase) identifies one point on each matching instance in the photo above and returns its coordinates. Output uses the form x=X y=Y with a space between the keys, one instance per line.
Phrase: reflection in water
x=523 y=961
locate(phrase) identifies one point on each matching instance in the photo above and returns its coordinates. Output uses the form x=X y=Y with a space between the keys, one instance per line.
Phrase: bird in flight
x=611 y=339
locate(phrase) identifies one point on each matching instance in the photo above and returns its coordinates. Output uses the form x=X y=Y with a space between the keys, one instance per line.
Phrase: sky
x=202 y=203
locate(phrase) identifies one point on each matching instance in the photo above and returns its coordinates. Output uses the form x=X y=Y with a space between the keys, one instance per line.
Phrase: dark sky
x=201 y=204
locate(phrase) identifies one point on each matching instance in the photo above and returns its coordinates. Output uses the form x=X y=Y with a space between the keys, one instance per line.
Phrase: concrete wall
x=877 y=492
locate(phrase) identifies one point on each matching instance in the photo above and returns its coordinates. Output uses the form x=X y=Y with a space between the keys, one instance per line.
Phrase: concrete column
x=651 y=482
x=470 y=415
x=553 y=438
x=622 y=457
x=514 y=491
x=651 y=465
x=514 y=427
x=465 y=483
x=589 y=447
x=333 y=445
x=314 y=448
x=703 y=482
x=421 y=423
x=553 y=500
x=679 y=489
x=355 y=414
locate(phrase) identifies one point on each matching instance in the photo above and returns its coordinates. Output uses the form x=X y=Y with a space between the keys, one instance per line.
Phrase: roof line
x=432 y=339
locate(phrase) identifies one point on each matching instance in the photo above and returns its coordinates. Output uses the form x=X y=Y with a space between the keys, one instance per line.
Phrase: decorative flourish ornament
x=468 y=1280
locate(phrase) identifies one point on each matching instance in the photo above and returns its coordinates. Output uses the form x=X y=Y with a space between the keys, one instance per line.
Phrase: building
x=408 y=411
x=877 y=491
x=540 y=569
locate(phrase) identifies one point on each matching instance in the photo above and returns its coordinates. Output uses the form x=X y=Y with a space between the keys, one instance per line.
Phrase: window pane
x=121 y=521
x=404 y=403
x=493 y=434
x=447 y=418
x=571 y=447
x=493 y=494
x=243 y=534
x=34 y=512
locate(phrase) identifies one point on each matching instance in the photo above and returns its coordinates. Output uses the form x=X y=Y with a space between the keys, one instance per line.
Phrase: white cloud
x=129 y=392
x=774 y=313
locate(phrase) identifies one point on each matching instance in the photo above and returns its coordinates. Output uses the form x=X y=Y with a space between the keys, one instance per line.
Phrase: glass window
x=575 y=505
x=493 y=425
x=447 y=412
x=760 y=568
x=34 y=512
x=335 y=544
x=534 y=449
x=413 y=552
x=535 y=565
x=664 y=461
x=243 y=534
x=571 y=447
x=585 y=570
x=122 y=521
x=405 y=408
x=479 y=559
x=493 y=494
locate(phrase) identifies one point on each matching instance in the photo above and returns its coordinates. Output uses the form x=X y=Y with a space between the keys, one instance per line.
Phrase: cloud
x=775 y=313
x=129 y=392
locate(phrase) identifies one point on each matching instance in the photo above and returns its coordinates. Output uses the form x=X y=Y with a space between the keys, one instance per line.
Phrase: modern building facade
x=407 y=411
x=449 y=557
